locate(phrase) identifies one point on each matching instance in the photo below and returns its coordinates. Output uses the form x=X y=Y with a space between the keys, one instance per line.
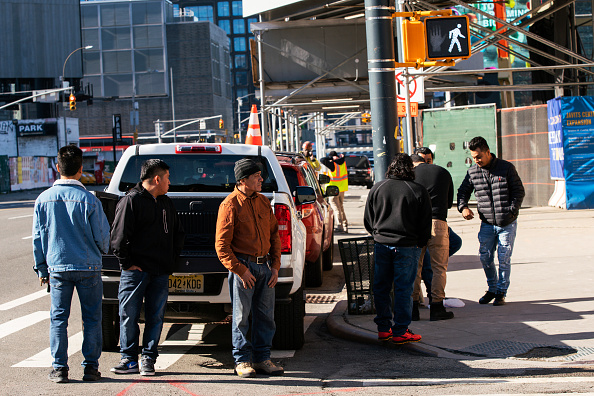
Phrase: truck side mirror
x=304 y=195
x=332 y=191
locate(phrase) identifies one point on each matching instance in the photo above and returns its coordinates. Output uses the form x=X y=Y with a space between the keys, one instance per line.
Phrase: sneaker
x=126 y=366
x=245 y=370
x=91 y=374
x=59 y=375
x=405 y=338
x=147 y=366
x=499 y=299
x=384 y=335
x=267 y=367
x=486 y=299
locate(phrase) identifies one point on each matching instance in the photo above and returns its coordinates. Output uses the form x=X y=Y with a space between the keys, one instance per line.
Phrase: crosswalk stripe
x=18 y=324
x=23 y=300
x=44 y=358
x=20 y=217
x=27 y=237
x=471 y=381
x=172 y=349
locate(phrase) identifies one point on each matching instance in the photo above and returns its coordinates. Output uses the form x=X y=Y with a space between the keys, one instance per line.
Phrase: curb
x=338 y=327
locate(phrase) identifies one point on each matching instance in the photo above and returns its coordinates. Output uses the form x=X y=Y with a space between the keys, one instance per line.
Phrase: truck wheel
x=314 y=272
x=110 y=327
x=289 y=323
x=328 y=256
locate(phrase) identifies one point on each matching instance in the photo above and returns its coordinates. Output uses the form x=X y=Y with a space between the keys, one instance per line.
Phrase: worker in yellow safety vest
x=339 y=178
x=308 y=154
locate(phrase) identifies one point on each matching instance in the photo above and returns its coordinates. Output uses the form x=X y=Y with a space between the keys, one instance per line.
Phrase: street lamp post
x=239 y=103
x=63 y=79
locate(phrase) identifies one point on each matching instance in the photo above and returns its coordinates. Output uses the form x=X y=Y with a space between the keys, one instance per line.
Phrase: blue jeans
x=89 y=288
x=395 y=266
x=259 y=300
x=426 y=272
x=501 y=238
x=134 y=286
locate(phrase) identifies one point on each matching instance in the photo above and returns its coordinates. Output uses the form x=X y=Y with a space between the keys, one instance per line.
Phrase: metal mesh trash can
x=358 y=265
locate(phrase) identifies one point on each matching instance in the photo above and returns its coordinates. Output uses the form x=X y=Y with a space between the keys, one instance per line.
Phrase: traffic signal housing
x=221 y=124
x=366 y=118
x=72 y=102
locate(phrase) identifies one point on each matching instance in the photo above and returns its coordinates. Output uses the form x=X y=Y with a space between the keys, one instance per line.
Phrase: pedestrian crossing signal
x=447 y=37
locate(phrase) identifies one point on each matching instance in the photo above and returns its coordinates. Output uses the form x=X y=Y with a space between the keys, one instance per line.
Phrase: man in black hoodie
x=147 y=238
x=398 y=216
x=499 y=194
x=439 y=184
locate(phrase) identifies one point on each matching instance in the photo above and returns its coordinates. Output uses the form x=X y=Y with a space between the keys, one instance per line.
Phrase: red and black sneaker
x=384 y=335
x=405 y=338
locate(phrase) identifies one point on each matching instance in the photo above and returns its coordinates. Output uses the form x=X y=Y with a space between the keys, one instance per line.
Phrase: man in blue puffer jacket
x=70 y=231
x=499 y=193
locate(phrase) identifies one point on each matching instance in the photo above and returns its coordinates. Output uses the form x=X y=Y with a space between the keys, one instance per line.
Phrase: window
x=115 y=14
x=238 y=26
x=89 y=17
x=146 y=13
x=223 y=8
x=118 y=85
x=91 y=37
x=117 y=62
x=240 y=62
x=239 y=44
x=241 y=92
x=115 y=38
x=203 y=13
x=148 y=36
x=95 y=81
x=148 y=60
x=92 y=62
x=225 y=25
x=150 y=84
x=241 y=78
x=250 y=21
x=237 y=9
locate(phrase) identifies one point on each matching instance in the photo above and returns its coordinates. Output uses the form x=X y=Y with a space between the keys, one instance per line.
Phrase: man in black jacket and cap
x=147 y=238
x=398 y=216
x=499 y=193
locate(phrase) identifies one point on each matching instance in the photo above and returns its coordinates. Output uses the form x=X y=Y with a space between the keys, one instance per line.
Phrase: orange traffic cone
x=253 y=133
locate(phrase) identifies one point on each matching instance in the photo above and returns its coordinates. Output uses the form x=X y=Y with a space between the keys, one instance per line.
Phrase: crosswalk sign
x=447 y=37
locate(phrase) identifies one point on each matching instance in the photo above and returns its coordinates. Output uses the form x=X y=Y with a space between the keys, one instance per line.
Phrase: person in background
x=499 y=194
x=398 y=216
x=70 y=231
x=147 y=238
x=440 y=187
x=426 y=154
x=308 y=154
x=338 y=177
x=251 y=250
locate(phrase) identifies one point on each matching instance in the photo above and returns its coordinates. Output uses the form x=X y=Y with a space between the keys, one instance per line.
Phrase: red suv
x=318 y=217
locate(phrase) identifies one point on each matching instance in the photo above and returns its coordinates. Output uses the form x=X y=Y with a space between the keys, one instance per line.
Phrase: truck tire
x=328 y=256
x=110 y=327
x=314 y=272
x=289 y=323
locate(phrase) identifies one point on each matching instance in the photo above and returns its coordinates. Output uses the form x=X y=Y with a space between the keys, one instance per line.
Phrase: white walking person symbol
x=453 y=35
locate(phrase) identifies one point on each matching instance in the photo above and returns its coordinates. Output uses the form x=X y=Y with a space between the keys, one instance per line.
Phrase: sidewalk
x=549 y=314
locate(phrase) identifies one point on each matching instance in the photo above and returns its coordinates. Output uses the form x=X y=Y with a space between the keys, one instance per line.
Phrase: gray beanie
x=245 y=167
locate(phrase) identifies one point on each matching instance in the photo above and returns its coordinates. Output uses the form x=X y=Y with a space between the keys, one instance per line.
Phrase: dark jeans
x=395 y=266
x=134 y=286
x=426 y=272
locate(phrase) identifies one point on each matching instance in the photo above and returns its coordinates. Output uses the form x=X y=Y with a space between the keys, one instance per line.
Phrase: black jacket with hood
x=146 y=232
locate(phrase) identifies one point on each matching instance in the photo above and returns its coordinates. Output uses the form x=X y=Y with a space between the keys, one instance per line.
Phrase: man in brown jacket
x=248 y=245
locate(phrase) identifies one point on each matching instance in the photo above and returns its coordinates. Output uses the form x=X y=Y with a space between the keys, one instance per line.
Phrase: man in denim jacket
x=70 y=231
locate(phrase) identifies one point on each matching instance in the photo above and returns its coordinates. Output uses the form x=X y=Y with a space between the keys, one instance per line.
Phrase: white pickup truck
x=201 y=177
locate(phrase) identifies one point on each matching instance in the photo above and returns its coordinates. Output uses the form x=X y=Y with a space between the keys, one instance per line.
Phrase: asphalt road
x=198 y=358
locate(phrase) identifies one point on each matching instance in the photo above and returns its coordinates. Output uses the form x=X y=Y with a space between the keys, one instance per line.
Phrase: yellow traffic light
x=366 y=118
x=72 y=102
x=413 y=35
x=221 y=124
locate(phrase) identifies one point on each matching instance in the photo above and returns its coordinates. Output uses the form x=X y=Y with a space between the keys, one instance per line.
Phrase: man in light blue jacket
x=70 y=231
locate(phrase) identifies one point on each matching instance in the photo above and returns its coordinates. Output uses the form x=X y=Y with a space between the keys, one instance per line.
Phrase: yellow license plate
x=186 y=284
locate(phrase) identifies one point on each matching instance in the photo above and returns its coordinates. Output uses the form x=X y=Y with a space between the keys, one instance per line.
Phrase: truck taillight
x=306 y=210
x=283 y=218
